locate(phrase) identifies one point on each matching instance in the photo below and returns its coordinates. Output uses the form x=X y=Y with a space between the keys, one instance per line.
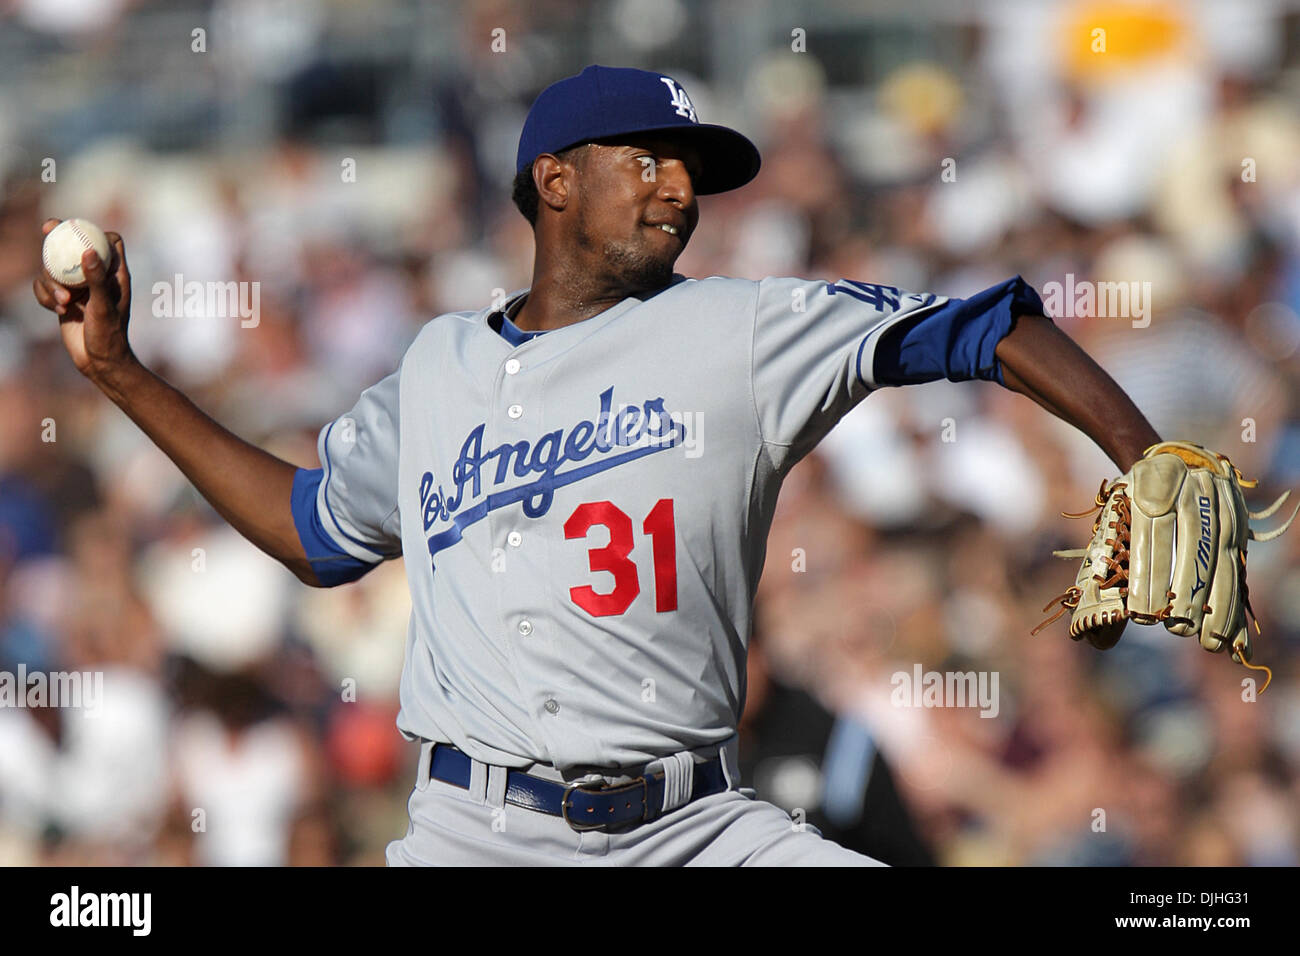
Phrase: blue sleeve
x=333 y=566
x=955 y=341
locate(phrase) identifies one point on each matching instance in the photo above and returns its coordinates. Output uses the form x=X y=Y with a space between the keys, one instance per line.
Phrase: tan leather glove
x=1168 y=547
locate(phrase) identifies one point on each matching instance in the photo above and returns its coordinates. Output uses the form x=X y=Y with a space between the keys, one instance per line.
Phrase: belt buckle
x=600 y=787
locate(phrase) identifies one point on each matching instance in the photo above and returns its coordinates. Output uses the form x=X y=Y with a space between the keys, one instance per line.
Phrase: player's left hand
x=1169 y=547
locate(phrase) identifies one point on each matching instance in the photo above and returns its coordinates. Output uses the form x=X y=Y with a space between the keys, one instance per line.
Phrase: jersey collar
x=499 y=322
x=499 y=319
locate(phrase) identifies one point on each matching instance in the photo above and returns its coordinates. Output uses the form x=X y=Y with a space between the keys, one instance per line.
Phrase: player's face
x=629 y=191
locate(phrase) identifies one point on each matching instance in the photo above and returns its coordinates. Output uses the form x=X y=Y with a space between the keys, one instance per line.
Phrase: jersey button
x=515 y=411
x=525 y=628
x=515 y=539
x=552 y=706
x=512 y=366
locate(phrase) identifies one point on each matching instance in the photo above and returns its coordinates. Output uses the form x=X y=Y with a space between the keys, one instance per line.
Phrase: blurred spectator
x=825 y=771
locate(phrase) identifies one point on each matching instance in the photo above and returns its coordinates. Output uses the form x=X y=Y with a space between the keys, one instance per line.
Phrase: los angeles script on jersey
x=615 y=437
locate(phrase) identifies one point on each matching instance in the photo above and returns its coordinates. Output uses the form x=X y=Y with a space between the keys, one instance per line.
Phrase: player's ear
x=554 y=179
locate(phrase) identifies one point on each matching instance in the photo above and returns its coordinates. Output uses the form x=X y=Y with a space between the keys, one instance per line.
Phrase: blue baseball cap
x=604 y=101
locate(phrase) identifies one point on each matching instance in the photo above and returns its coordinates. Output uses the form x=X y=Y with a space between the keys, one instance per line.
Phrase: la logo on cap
x=680 y=99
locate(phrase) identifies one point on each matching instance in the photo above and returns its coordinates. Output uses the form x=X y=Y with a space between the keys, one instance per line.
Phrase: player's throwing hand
x=93 y=318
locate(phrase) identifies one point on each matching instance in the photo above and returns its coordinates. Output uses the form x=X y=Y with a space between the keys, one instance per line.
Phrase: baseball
x=61 y=253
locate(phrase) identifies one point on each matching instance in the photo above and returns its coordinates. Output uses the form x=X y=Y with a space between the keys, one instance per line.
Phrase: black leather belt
x=591 y=806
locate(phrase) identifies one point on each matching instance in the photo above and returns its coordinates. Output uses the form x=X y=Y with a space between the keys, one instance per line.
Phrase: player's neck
x=552 y=309
x=560 y=298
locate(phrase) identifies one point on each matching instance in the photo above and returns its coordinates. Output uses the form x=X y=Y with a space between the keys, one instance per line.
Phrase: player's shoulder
x=453 y=321
x=712 y=285
x=448 y=325
x=717 y=294
x=439 y=337
x=740 y=300
x=751 y=288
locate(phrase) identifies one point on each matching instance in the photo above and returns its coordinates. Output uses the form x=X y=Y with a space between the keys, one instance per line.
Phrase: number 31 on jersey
x=613 y=557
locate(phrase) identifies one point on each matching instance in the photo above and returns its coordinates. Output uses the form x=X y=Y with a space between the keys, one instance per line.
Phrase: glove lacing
x=1116 y=561
x=1068 y=601
x=1239 y=645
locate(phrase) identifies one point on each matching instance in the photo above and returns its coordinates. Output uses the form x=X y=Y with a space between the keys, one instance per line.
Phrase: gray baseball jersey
x=584 y=512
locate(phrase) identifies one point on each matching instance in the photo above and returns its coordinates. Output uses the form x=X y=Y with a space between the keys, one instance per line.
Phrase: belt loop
x=495 y=789
x=478 y=780
x=679 y=780
x=729 y=754
x=423 y=766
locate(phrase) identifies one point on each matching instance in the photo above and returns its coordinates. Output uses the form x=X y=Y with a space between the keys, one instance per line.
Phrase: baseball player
x=581 y=480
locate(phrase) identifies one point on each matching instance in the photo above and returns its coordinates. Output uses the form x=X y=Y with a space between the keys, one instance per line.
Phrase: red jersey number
x=613 y=557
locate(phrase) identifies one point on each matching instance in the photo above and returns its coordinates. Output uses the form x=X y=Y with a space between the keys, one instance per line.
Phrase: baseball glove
x=1169 y=547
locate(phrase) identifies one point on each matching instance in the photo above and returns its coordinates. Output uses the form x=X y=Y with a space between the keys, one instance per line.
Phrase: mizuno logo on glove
x=1203 y=547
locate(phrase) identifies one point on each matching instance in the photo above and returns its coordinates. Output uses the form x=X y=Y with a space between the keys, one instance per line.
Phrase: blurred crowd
x=362 y=178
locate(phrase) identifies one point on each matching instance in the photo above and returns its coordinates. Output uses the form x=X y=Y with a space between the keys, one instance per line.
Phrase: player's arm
x=1039 y=360
x=1001 y=335
x=248 y=487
